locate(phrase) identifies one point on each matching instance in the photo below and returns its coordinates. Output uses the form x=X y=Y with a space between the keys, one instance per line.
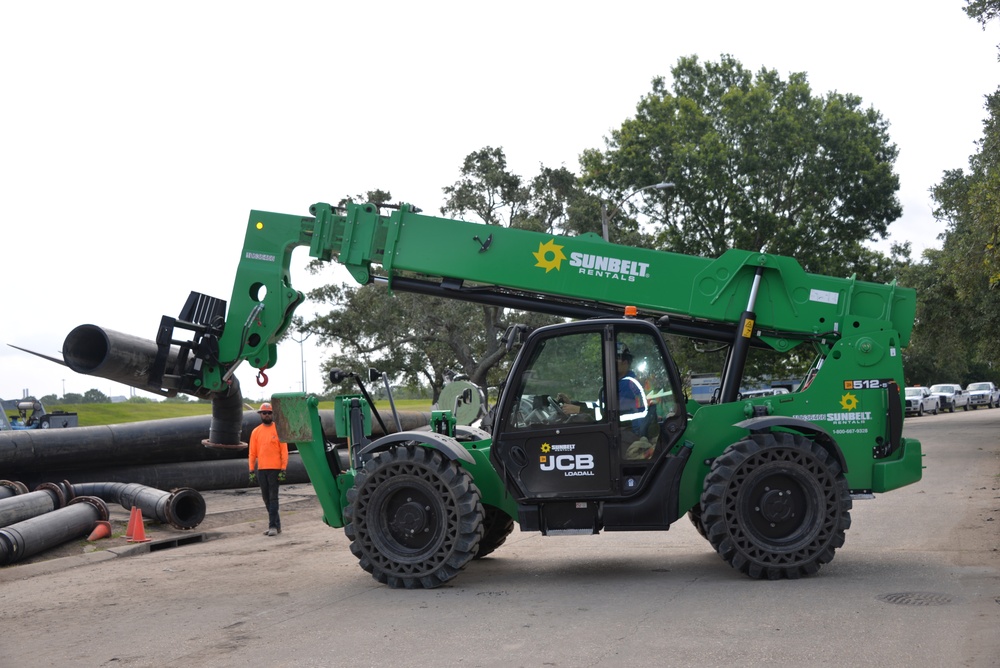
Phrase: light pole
x=302 y=357
x=606 y=216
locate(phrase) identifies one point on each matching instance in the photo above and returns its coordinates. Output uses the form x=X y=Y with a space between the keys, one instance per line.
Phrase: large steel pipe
x=128 y=359
x=181 y=508
x=202 y=476
x=10 y=488
x=46 y=498
x=148 y=442
x=226 y=429
x=105 y=353
x=134 y=444
x=24 y=539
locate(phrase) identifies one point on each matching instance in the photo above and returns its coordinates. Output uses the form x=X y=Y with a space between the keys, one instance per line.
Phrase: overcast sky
x=138 y=136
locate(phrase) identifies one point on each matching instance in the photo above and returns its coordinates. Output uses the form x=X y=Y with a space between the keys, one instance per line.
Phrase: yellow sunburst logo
x=549 y=256
x=848 y=402
x=546 y=447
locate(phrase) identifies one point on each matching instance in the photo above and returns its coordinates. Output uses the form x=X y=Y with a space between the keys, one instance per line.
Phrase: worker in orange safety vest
x=268 y=463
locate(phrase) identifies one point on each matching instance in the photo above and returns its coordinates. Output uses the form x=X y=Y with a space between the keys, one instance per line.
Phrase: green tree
x=756 y=162
x=50 y=400
x=983 y=11
x=95 y=396
x=959 y=308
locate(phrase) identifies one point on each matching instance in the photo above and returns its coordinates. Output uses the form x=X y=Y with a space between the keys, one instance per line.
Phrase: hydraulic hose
x=182 y=508
x=24 y=539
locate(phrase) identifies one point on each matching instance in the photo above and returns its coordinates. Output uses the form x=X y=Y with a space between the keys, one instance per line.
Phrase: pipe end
x=185 y=508
x=224 y=446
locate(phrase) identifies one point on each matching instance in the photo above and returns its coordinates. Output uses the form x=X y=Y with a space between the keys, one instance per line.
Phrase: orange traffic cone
x=139 y=530
x=130 y=529
x=101 y=530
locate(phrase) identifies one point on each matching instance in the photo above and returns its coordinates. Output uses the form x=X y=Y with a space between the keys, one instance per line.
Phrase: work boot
x=271 y=532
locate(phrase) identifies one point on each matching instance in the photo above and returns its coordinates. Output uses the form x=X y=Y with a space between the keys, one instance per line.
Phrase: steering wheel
x=560 y=413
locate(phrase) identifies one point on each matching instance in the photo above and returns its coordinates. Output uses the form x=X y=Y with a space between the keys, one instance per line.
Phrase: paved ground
x=917 y=584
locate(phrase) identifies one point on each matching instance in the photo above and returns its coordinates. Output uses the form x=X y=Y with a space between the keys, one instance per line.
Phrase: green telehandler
x=592 y=430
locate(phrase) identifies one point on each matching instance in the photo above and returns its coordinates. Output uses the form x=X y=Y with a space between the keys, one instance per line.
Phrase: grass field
x=91 y=415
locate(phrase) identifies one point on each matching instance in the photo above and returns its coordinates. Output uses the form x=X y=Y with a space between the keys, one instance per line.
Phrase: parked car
x=767 y=392
x=983 y=394
x=951 y=396
x=919 y=400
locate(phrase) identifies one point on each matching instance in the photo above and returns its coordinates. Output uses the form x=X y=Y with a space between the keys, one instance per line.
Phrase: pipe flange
x=225 y=446
x=185 y=508
x=16 y=485
x=68 y=489
x=102 y=508
x=59 y=495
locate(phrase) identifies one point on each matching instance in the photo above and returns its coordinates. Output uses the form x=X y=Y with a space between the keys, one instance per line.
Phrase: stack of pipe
x=31 y=522
x=159 y=453
x=27 y=538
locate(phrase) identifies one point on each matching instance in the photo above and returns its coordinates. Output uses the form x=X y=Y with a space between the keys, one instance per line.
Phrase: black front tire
x=776 y=506
x=414 y=517
x=695 y=516
x=497 y=525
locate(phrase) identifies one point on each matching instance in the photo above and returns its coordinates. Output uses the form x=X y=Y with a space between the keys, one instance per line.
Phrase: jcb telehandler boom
x=592 y=430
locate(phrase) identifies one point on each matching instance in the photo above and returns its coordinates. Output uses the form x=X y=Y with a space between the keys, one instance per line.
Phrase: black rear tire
x=497 y=525
x=776 y=506
x=414 y=517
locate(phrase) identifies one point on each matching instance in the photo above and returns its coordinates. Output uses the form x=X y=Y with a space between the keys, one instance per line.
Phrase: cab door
x=553 y=438
x=574 y=422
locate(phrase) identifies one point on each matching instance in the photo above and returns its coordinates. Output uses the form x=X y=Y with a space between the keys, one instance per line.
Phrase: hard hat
x=622 y=352
x=264 y=407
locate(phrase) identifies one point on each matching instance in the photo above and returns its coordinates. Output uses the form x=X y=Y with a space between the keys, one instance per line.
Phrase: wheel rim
x=777 y=507
x=410 y=521
x=413 y=519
